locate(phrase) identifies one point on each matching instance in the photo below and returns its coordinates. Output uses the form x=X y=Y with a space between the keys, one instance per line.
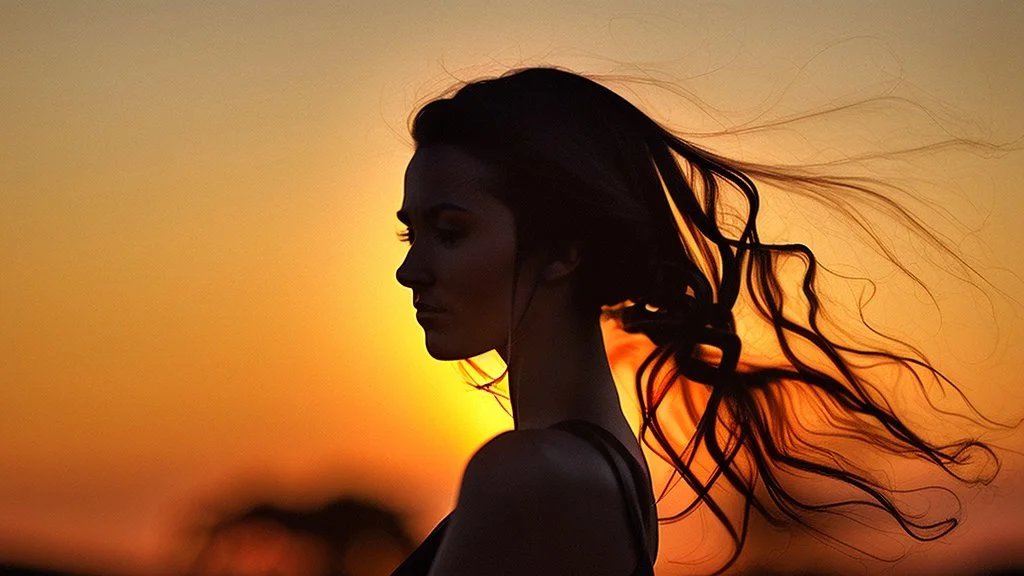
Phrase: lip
x=428 y=313
x=423 y=307
x=428 y=318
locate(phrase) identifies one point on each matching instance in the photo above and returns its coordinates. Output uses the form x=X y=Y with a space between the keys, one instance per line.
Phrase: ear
x=561 y=263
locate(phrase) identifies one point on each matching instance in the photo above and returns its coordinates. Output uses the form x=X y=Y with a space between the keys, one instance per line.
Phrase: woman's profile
x=540 y=203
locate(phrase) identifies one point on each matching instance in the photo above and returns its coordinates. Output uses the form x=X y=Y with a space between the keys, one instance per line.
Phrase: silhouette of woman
x=540 y=202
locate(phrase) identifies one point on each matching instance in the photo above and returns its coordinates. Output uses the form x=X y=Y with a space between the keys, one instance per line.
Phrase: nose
x=413 y=273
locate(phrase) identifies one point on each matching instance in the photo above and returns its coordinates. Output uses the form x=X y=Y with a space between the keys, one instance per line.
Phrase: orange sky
x=197 y=234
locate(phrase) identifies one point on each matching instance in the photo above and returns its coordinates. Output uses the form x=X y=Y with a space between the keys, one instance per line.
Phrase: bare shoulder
x=538 y=501
x=543 y=462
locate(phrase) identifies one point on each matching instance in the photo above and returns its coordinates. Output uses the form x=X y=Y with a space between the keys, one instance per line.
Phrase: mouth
x=427 y=308
x=427 y=312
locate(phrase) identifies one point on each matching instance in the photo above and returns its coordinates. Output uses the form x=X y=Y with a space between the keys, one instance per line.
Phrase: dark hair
x=577 y=162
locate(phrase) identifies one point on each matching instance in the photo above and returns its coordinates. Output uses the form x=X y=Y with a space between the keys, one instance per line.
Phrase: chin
x=446 y=354
x=450 y=351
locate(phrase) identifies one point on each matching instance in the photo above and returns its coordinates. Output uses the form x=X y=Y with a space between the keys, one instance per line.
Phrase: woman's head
x=569 y=158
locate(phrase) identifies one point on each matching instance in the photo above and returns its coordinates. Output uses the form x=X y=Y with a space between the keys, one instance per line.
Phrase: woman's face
x=461 y=253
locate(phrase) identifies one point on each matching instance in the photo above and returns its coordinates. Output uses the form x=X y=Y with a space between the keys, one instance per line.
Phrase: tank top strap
x=422 y=558
x=638 y=501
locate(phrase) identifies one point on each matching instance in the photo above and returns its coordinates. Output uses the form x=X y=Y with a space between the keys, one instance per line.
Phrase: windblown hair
x=577 y=162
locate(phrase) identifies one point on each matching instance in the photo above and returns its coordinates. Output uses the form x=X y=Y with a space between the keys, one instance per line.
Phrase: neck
x=558 y=370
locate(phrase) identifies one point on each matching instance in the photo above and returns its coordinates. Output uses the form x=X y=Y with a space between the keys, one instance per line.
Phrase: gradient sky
x=197 y=232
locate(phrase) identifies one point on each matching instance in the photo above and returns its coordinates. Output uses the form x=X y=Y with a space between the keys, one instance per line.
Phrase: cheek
x=477 y=288
x=486 y=280
x=480 y=277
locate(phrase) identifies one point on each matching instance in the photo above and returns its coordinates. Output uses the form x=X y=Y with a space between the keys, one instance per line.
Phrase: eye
x=448 y=237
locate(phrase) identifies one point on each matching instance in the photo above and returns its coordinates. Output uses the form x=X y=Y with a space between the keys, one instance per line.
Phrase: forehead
x=438 y=174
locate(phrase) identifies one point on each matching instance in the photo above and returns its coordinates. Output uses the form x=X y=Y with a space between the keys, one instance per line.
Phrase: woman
x=540 y=202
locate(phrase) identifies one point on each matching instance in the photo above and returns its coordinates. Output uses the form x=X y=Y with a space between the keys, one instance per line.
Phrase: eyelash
x=447 y=237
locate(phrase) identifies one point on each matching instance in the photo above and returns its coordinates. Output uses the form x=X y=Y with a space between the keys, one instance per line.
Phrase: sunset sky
x=197 y=232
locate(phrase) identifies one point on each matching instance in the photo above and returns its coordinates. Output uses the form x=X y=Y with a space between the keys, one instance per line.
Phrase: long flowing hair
x=663 y=255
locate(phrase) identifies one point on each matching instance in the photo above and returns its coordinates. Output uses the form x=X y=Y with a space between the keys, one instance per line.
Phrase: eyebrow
x=432 y=213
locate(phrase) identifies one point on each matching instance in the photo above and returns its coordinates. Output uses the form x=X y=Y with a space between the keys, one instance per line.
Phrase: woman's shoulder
x=544 y=497
x=545 y=460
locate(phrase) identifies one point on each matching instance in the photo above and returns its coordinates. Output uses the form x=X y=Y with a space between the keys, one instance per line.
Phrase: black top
x=633 y=485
